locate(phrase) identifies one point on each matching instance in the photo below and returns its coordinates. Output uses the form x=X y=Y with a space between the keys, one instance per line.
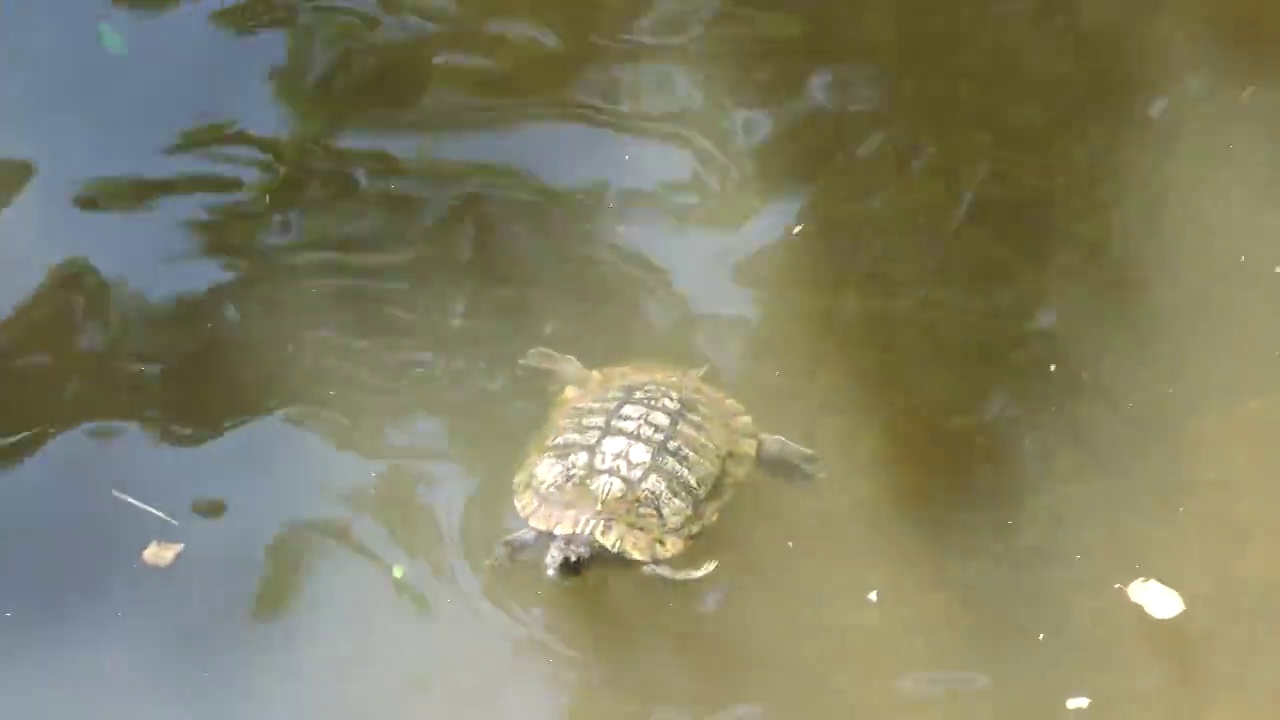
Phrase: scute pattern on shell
x=640 y=459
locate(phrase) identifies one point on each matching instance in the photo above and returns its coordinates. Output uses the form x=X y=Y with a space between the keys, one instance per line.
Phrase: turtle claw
x=670 y=573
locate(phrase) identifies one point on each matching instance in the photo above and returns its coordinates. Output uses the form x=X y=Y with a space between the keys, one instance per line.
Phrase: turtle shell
x=641 y=459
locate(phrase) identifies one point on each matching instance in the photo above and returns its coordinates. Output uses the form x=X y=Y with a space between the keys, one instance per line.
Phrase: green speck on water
x=110 y=40
x=397 y=571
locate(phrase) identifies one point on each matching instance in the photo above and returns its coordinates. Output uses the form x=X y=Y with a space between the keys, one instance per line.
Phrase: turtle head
x=568 y=554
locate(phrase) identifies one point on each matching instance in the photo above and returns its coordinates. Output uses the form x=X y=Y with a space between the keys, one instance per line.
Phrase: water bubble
x=1045 y=319
x=853 y=88
x=1156 y=109
x=750 y=127
x=651 y=88
x=741 y=711
x=714 y=598
x=674 y=22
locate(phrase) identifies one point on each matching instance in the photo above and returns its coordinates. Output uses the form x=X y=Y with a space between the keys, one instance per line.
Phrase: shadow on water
x=1004 y=266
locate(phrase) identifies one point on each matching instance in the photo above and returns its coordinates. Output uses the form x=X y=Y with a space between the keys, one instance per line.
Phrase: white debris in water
x=936 y=684
x=871 y=144
x=1078 y=703
x=1045 y=319
x=1041 y=636
x=142 y=505
x=523 y=30
x=1157 y=107
x=463 y=61
x=966 y=199
x=918 y=163
x=873 y=596
x=1053 y=366
x=1158 y=600
x=796 y=230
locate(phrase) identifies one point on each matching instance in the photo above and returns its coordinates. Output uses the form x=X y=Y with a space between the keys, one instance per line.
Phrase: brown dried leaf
x=160 y=553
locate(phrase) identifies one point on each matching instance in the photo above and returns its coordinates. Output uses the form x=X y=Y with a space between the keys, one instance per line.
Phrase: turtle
x=635 y=460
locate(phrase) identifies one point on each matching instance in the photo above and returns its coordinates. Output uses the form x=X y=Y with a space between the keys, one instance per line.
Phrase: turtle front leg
x=779 y=451
x=512 y=544
x=671 y=573
x=566 y=368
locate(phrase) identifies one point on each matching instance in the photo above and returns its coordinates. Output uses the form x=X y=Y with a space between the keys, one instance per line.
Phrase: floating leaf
x=1158 y=600
x=14 y=176
x=160 y=553
x=209 y=508
x=110 y=40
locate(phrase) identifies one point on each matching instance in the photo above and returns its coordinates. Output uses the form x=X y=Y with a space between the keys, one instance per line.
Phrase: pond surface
x=1008 y=266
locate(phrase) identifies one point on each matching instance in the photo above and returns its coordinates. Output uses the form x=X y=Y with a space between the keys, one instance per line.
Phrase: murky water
x=1009 y=267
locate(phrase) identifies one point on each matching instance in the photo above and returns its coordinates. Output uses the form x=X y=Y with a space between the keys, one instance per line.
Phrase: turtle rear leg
x=512 y=544
x=566 y=367
x=778 y=451
x=671 y=573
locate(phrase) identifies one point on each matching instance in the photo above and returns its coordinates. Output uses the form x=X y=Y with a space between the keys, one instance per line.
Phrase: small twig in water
x=966 y=199
x=142 y=505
